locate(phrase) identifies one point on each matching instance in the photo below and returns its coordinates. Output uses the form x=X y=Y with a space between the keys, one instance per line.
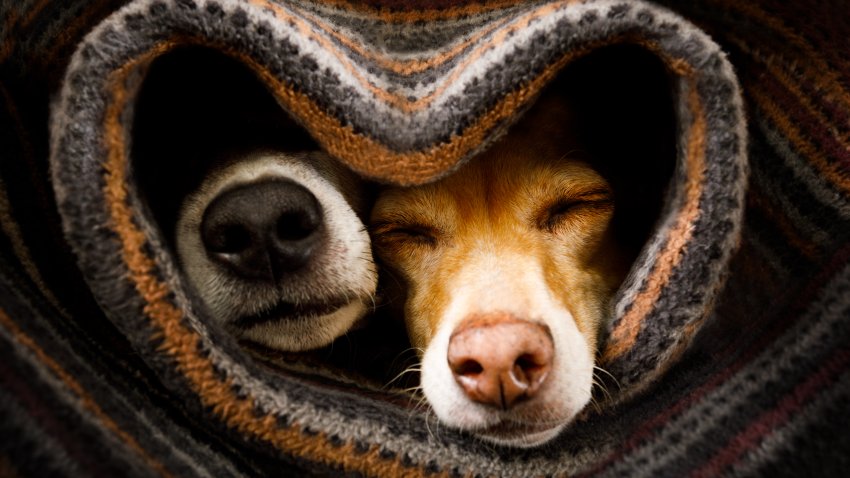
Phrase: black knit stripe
x=118 y=384
x=55 y=412
x=80 y=183
x=758 y=385
x=716 y=228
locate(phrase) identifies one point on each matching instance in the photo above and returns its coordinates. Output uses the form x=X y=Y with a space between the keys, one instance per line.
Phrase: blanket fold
x=727 y=351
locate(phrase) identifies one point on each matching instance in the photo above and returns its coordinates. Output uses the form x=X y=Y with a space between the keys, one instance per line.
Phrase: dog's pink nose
x=500 y=360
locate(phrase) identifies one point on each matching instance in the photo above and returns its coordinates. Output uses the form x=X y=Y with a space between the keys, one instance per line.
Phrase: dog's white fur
x=494 y=282
x=343 y=272
x=492 y=239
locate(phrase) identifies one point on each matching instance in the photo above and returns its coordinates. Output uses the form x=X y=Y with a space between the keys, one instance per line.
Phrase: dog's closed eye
x=561 y=210
x=411 y=234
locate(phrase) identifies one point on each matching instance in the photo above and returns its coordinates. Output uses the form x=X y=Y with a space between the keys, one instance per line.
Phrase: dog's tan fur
x=523 y=229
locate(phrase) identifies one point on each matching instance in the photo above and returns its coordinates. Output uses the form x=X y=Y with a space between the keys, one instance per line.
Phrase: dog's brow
x=398 y=217
x=596 y=192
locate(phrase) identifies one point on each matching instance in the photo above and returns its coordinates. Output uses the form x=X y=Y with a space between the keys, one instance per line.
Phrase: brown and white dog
x=274 y=245
x=508 y=267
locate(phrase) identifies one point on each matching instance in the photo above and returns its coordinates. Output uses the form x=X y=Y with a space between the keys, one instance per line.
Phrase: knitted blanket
x=729 y=351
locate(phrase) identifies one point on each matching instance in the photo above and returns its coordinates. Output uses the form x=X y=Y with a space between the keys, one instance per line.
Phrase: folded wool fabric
x=730 y=344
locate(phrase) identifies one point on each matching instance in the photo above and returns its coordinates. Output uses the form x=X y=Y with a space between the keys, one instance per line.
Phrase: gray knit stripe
x=781 y=442
x=453 y=106
x=783 y=194
x=771 y=257
x=804 y=171
x=717 y=228
x=156 y=435
x=814 y=331
x=51 y=457
x=67 y=398
x=78 y=180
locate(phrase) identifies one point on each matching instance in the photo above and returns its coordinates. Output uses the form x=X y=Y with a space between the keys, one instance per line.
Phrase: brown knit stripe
x=815 y=65
x=415 y=167
x=401 y=100
x=9 y=225
x=87 y=401
x=11 y=34
x=307 y=31
x=793 y=86
x=396 y=65
x=35 y=10
x=626 y=330
x=424 y=14
x=71 y=32
x=13 y=26
x=789 y=232
x=802 y=143
x=12 y=231
x=182 y=343
x=516 y=25
x=67 y=34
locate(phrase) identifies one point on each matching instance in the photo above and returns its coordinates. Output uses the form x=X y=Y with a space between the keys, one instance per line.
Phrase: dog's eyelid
x=553 y=213
x=415 y=231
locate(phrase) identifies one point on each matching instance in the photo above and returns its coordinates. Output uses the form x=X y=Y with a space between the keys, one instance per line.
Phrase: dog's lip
x=291 y=311
x=510 y=429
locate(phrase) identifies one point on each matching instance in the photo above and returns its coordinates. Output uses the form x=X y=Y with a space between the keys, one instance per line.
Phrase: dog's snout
x=263 y=230
x=500 y=360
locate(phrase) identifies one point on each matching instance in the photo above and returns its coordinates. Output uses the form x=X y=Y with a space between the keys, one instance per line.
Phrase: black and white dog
x=274 y=245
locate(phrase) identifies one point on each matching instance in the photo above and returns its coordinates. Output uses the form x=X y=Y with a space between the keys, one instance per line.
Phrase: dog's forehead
x=564 y=176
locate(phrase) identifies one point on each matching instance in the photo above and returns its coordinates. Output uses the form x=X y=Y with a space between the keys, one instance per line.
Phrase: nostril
x=228 y=239
x=530 y=370
x=264 y=230
x=499 y=360
x=467 y=368
x=527 y=363
x=294 y=226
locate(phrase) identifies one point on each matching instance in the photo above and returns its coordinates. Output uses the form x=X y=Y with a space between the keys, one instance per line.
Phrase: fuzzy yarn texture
x=729 y=350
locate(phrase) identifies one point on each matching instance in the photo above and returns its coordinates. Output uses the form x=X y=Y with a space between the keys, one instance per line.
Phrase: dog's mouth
x=285 y=311
x=520 y=433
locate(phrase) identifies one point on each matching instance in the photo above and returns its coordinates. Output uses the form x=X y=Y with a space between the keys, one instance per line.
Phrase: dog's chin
x=303 y=327
x=519 y=435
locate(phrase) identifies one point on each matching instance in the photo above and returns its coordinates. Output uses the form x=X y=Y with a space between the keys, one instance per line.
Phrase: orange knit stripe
x=625 y=333
x=785 y=226
x=783 y=77
x=804 y=146
x=400 y=101
x=815 y=66
x=8 y=224
x=399 y=66
x=73 y=31
x=387 y=15
x=86 y=400
x=499 y=38
x=415 y=167
x=11 y=35
x=182 y=343
x=34 y=11
x=62 y=39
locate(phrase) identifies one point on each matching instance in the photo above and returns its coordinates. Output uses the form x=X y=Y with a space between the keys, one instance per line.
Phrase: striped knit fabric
x=729 y=351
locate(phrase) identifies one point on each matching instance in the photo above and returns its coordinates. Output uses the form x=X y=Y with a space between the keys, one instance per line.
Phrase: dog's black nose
x=263 y=230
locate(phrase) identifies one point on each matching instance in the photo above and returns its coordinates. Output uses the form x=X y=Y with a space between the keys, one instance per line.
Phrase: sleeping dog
x=273 y=245
x=508 y=267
